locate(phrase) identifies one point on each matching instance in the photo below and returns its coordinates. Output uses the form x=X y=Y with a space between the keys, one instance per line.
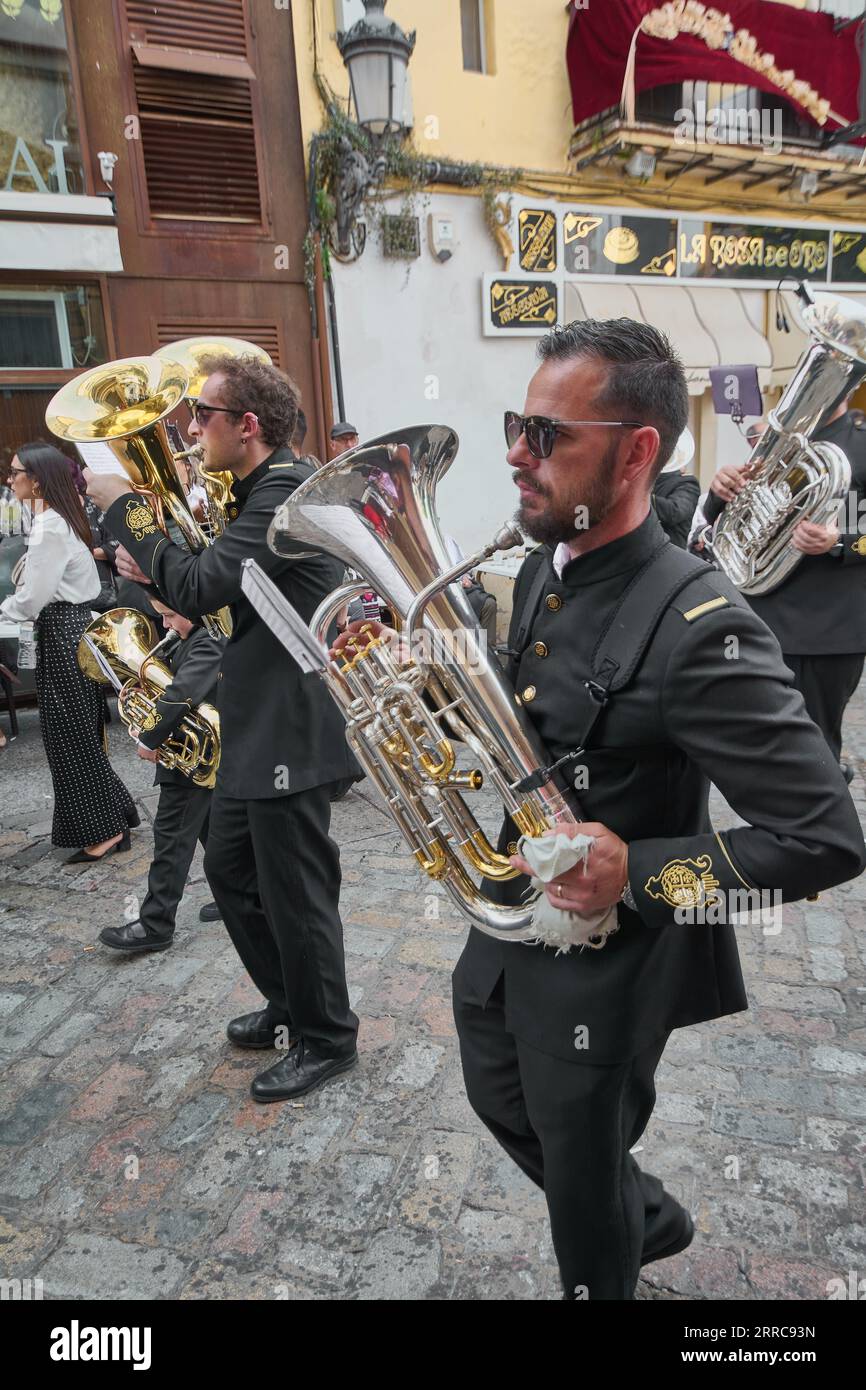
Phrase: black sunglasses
x=541 y=430
x=202 y=413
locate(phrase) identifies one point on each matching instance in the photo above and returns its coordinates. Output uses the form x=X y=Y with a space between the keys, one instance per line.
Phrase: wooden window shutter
x=199 y=146
x=206 y=26
x=264 y=335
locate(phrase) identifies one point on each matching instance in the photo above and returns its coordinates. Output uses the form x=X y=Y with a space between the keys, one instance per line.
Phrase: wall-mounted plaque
x=519 y=306
x=537 y=239
x=849 y=258
x=619 y=243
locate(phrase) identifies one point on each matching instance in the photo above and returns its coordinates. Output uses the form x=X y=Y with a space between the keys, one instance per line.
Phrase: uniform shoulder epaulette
x=290 y=463
x=698 y=611
x=699 y=598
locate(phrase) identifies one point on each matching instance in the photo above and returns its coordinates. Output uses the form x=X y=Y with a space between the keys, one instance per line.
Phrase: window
x=44 y=326
x=39 y=146
x=193 y=87
x=474 y=30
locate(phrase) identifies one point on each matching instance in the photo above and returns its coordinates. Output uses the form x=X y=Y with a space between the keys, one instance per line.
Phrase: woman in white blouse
x=92 y=808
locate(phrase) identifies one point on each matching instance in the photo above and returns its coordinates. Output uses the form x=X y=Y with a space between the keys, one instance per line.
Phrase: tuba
x=792 y=479
x=374 y=507
x=190 y=354
x=125 y=404
x=119 y=648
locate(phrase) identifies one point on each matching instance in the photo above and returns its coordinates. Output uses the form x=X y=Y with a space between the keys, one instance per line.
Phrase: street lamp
x=376 y=52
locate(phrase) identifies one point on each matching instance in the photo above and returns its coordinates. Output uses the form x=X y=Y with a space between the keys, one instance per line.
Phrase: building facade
x=152 y=187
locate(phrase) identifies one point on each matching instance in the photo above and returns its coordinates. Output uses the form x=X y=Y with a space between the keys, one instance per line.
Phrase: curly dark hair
x=250 y=384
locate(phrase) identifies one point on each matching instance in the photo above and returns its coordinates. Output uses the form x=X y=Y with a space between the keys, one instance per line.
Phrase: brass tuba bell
x=124 y=404
x=126 y=641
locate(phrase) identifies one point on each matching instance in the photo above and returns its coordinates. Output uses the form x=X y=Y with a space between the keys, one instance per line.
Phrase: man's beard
x=571 y=516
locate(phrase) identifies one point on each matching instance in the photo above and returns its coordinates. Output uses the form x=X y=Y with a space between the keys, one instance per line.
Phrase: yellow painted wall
x=519 y=115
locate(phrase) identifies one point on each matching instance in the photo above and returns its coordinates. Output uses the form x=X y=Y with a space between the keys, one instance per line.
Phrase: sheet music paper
x=282 y=618
x=98 y=457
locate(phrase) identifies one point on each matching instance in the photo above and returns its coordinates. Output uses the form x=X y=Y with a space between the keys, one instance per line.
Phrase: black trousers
x=827 y=684
x=275 y=875
x=181 y=819
x=569 y=1126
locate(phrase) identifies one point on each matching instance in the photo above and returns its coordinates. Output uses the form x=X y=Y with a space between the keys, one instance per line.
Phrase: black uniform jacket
x=820 y=609
x=675 y=496
x=281 y=732
x=195 y=664
x=702 y=706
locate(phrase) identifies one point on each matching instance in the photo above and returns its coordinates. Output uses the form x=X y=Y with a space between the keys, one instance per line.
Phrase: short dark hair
x=250 y=384
x=645 y=380
x=300 y=433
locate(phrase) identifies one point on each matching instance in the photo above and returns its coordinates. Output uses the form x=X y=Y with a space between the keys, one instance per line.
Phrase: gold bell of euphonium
x=127 y=643
x=124 y=404
x=191 y=354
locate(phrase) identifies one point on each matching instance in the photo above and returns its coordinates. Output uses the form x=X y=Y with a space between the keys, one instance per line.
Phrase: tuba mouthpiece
x=507 y=538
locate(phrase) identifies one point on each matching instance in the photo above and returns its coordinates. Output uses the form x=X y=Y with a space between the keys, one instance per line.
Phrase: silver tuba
x=792 y=479
x=374 y=508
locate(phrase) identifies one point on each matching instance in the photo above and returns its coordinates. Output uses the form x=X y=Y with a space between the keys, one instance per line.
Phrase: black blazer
x=675 y=497
x=281 y=731
x=820 y=609
x=690 y=715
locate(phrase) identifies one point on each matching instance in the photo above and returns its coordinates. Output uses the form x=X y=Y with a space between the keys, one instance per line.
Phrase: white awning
x=707 y=325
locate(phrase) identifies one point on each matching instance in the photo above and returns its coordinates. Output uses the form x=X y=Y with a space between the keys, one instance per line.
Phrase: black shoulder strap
x=623 y=643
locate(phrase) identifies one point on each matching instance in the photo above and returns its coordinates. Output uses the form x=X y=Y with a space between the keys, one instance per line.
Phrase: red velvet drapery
x=600 y=36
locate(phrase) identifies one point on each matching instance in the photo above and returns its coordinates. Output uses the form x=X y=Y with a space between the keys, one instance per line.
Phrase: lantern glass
x=379 y=89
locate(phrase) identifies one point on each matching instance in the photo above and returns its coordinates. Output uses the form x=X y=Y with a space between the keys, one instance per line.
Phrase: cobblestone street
x=133 y=1163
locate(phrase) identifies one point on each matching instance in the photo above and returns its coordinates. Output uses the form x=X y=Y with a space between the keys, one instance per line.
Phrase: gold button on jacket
x=529 y=694
x=554 y=602
x=541 y=649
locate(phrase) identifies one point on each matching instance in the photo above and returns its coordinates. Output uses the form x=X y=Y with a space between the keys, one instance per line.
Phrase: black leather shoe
x=133 y=819
x=256 y=1030
x=298 y=1073
x=679 y=1242
x=847 y=772
x=210 y=913
x=82 y=857
x=133 y=937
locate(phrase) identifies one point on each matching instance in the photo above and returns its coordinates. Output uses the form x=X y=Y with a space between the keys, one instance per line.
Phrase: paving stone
x=417 y=1065
x=26 y=1025
x=41 y=1164
x=766 y=1126
x=34 y=1112
x=838 y=1061
x=194 y=1120
x=399 y=1264
x=101 y=1267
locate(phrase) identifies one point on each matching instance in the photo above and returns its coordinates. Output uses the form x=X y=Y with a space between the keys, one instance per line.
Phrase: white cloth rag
x=549 y=856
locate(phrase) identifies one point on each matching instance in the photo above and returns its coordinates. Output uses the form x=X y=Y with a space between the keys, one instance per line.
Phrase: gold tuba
x=374 y=507
x=791 y=478
x=125 y=404
x=126 y=642
x=190 y=354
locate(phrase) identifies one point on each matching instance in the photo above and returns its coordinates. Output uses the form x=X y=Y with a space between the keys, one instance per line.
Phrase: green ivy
x=405 y=170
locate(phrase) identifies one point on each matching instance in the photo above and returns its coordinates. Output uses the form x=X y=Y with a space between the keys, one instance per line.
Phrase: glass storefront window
x=39 y=145
x=51 y=326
